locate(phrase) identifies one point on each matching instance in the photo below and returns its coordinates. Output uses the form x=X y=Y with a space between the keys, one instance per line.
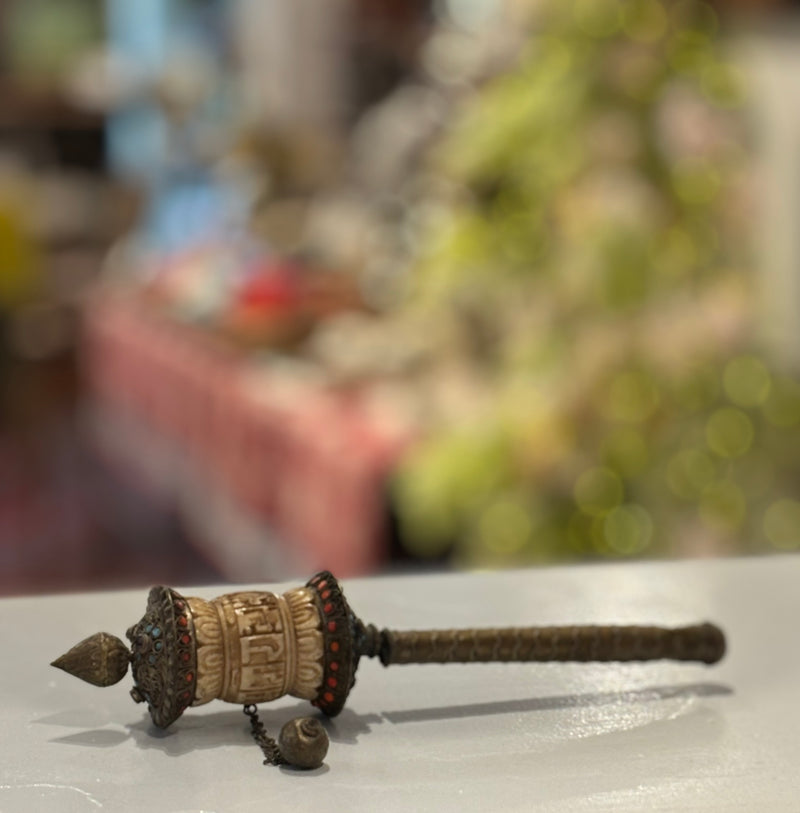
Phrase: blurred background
x=394 y=284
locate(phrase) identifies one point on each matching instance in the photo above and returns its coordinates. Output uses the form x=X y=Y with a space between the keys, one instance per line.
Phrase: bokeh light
x=628 y=529
x=696 y=181
x=598 y=19
x=729 y=432
x=505 y=526
x=782 y=407
x=747 y=381
x=626 y=451
x=782 y=524
x=689 y=473
x=631 y=397
x=598 y=490
x=645 y=20
x=723 y=506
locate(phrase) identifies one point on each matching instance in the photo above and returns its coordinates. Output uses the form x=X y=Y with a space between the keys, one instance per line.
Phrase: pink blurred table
x=240 y=444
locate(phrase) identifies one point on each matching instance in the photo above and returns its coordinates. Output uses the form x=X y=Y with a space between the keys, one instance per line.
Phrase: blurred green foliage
x=41 y=39
x=590 y=262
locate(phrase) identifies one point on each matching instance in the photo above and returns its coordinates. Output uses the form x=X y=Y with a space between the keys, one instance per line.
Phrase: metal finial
x=101 y=659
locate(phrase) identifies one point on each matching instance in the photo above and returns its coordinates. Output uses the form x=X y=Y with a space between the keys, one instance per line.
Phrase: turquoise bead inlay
x=156 y=632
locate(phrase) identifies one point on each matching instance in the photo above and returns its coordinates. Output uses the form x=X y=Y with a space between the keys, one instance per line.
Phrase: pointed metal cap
x=101 y=659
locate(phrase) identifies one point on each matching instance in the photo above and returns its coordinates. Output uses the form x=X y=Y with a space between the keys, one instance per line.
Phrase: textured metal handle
x=702 y=642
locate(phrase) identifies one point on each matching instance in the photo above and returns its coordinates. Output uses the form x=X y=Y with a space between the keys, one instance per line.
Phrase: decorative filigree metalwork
x=163 y=656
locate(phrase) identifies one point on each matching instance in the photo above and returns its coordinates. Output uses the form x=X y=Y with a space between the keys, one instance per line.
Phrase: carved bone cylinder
x=257 y=646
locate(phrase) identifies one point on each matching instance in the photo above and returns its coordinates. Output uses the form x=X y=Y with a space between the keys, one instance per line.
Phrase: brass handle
x=700 y=642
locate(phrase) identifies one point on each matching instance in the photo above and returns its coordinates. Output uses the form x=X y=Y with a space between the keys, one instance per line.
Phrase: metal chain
x=266 y=743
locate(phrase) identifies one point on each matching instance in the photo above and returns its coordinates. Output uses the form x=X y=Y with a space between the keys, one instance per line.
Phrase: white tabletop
x=550 y=737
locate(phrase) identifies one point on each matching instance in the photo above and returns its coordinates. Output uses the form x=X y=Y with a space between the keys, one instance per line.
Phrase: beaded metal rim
x=163 y=656
x=339 y=663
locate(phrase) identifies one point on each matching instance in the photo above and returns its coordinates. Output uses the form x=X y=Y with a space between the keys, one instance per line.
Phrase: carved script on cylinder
x=253 y=647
